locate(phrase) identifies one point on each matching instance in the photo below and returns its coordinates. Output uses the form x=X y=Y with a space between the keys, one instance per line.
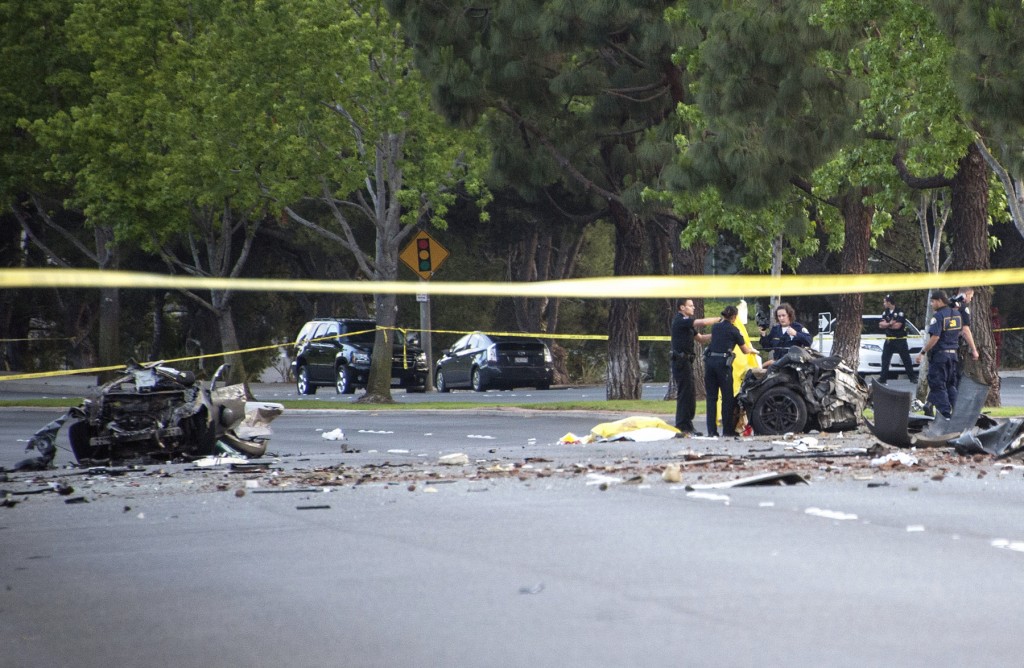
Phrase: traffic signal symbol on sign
x=424 y=255
x=423 y=246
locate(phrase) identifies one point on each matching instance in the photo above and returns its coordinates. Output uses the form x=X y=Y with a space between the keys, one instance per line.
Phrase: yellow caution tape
x=587 y=288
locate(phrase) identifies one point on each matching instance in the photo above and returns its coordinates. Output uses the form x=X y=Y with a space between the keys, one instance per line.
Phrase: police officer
x=894 y=325
x=718 y=371
x=944 y=335
x=787 y=333
x=963 y=302
x=683 y=334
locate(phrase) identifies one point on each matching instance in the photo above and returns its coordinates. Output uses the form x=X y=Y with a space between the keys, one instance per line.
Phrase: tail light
x=492 y=354
x=547 y=355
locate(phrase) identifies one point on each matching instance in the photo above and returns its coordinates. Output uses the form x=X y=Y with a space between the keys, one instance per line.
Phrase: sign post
x=424 y=255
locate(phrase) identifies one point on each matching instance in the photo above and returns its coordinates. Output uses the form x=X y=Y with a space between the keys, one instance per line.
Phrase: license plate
x=522 y=360
x=396 y=381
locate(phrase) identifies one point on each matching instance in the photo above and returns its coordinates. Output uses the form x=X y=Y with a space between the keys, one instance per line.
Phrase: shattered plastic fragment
x=1002 y=543
x=454 y=459
x=334 y=435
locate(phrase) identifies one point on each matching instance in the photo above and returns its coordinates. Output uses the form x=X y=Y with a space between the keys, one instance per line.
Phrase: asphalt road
x=369 y=552
x=1011 y=392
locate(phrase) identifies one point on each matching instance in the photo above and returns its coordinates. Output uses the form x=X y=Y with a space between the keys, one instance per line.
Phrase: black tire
x=440 y=384
x=343 y=381
x=478 y=381
x=544 y=386
x=779 y=411
x=416 y=389
x=302 y=383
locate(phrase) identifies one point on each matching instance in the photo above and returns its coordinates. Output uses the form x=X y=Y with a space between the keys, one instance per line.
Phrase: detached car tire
x=778 y=411
x=343 y=383
x=302 y=383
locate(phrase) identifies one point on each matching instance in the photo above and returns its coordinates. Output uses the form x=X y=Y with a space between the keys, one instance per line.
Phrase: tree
x=579 y=95
x=374 y=152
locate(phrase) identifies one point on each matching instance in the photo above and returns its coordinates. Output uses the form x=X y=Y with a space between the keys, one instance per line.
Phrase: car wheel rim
x=440 y=382
x=476 y=380
x=342 y=383
x=780 y=413
x=303 y=380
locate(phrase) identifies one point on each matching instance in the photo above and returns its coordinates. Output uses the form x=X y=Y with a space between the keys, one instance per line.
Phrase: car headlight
x=421 y=358
x=360 y=358
x=871 y=346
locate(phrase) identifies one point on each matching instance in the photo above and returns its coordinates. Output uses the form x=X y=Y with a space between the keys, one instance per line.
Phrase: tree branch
x=917 y=182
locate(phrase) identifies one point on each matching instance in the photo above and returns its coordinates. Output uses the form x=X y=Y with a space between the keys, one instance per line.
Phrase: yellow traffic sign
x=424 y=255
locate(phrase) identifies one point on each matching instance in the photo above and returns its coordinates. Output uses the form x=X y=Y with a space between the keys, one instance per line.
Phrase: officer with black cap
x=894 y=325
x=944 y=331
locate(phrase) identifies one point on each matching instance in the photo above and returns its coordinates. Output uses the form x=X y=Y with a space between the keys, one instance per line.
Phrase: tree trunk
x=624 y=381
x=221 y=301
x=853 y=260
x=968 y=229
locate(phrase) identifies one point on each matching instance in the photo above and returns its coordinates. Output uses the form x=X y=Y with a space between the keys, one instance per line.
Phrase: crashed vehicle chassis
x=154 y=413
x=803 y=390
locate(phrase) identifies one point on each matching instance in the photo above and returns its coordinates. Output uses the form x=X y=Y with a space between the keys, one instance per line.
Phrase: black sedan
x=482 y=361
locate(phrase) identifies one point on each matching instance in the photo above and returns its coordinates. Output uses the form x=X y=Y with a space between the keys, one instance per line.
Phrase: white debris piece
x=483 y=436
x=708 y=496
x=454 y=459
x=397 y=451
x=830 y=514
x=1003 y=544
x=219 y=461
x=902 y=458
x=334 y=435
x=375 y=431
x=600 y=478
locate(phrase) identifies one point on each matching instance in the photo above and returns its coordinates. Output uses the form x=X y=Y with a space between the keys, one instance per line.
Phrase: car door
x=456 y=366
x=322 y=367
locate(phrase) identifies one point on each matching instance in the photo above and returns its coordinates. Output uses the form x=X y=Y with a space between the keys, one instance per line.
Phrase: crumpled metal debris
x=966 y=430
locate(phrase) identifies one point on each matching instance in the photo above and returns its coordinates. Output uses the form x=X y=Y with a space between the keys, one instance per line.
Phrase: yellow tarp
x=611 y=429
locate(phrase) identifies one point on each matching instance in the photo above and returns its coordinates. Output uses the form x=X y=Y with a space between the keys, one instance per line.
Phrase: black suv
x=336 y=351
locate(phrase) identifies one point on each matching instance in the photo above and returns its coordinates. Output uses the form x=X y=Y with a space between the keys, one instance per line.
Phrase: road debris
x=334 y=435
x=761 y=479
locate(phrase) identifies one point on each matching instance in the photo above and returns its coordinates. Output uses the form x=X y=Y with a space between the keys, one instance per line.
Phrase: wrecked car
x=154 y=413
x=802 y=391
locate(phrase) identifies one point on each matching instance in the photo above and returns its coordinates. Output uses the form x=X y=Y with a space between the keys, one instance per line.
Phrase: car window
x=332 y=329
x=321 y=330
x=304 y=333
x=459 y=345
x=364 y=332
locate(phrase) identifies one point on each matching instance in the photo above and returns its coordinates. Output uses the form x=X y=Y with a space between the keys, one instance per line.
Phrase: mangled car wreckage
x=802 y=391
x=154 y=413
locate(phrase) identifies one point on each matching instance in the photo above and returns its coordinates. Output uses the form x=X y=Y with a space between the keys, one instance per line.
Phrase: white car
x=871 y=340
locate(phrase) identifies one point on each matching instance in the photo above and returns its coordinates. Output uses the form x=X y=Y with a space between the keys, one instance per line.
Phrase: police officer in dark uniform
x=683 y=334
x=944 y=336
x=718 y=371
x=894 y=325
